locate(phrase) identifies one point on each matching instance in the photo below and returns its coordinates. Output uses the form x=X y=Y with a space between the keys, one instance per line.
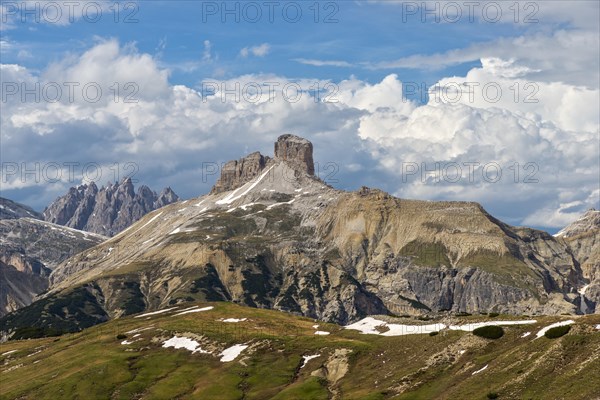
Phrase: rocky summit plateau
x=271 y=234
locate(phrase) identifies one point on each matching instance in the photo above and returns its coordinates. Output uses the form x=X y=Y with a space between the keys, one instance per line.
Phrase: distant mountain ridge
x=590 y=220
x=13 y=210
x=107 y=210
x=29 y=249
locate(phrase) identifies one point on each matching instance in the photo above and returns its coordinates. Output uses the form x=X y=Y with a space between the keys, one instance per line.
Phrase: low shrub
x=121 y=336
x=557 y=331
x=433 y=333
x=489 y=332
x=492 y=395
x=493 y=314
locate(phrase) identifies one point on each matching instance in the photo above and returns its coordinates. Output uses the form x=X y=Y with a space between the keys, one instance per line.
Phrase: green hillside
x=125 y=359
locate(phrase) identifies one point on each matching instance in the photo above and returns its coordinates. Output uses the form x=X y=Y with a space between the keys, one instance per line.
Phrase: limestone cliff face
x=283 y=239
x=237 y=172
x=297 y=151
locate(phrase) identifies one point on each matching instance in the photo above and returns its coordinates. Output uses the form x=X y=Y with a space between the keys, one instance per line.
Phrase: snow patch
x=280 y=204
x=234 y=319
x=195 y=310
x=321 y=333
x=400 y=330
x=471 y=327
x=307 y=359
x=554 y=325
x=231 y=197
x=526 y=334
x=33 y=354
x=184 y=343
x=479 y=370
x=139 y=330
x=582 y=290
x=8 y=352
x=243 y=207
x=155 y=312
x=152 y=219
x=231 y=353
x=368 y=326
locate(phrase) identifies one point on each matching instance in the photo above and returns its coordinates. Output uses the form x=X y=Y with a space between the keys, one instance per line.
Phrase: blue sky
x=359 y=33
x=369 y=50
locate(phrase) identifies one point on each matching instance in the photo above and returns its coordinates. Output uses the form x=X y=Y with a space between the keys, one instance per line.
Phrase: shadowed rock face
x=296 y=151
x=108 y=210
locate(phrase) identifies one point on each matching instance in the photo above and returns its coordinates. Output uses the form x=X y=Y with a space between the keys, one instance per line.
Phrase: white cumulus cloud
x=534 y=163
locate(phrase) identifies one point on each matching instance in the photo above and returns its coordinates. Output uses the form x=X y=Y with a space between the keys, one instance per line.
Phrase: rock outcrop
x=108 y=210
x=237 y=172
x=296 y=151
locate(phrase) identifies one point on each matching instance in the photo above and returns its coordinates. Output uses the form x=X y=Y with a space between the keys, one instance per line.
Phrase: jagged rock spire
x=108 y=210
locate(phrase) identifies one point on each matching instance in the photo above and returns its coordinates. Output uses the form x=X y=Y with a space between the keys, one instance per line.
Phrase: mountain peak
x=108 y=210
x=297 y=151
x=291 y=149
x=590 y=220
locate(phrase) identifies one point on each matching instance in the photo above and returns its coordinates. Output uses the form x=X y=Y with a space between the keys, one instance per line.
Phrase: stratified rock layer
x=237 y=172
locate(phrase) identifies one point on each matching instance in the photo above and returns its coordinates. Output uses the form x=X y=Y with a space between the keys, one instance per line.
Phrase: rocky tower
x=292 y=149
x=296 y=151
